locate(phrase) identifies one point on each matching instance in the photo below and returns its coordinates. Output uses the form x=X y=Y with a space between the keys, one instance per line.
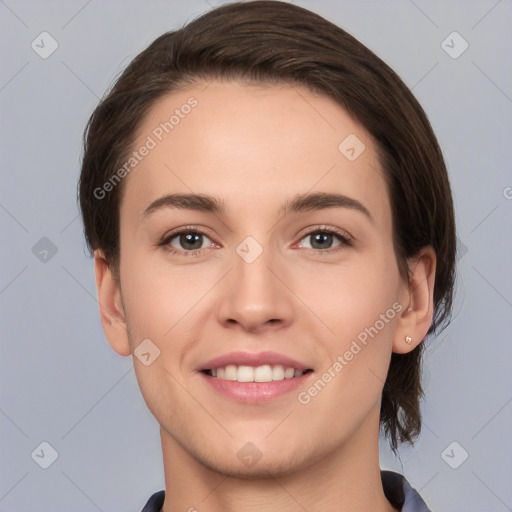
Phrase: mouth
x=263 y=373
x=254 y=378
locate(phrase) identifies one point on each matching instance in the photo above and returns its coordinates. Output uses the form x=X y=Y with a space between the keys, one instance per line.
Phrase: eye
x=325 y=240
x=186 y=241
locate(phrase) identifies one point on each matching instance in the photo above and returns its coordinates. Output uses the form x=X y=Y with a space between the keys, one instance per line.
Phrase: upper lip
x=251 y=359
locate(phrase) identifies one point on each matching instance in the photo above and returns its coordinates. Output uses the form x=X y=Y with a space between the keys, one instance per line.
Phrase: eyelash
x=187 y=230
x=345 y=239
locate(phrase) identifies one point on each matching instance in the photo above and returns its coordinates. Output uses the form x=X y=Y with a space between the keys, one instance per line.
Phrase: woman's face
x=286 y=262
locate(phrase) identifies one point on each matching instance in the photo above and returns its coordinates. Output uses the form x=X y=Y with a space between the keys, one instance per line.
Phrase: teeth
x=265 y=373
x=277 y=372
x=245 y=374
x=231 y=372
x=289 y=373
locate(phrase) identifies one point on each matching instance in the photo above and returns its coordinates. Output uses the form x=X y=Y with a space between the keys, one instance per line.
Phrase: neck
x=346 y=479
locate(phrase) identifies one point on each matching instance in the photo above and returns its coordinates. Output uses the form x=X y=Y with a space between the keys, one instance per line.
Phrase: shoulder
x=400 y=493
x=155 y=502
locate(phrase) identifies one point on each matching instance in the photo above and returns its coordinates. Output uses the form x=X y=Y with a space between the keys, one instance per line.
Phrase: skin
x=255 y=148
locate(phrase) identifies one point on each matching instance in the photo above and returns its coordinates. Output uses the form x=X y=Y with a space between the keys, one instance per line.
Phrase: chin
x=249 y=463
x=261 y=470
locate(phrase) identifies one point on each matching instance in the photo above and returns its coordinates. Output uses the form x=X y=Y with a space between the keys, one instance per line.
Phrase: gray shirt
x=396 y=488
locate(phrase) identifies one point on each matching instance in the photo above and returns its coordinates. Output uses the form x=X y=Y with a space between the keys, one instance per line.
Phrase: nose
x=255 y=296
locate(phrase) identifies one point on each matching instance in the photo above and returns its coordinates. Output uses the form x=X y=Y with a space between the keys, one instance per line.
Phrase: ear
x=417 y=299
x=111 y=306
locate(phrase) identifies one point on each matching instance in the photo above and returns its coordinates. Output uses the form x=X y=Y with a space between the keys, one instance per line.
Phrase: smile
x=263 y=373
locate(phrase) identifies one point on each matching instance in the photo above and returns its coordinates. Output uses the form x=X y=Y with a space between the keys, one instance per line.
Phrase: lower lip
x=255 y=392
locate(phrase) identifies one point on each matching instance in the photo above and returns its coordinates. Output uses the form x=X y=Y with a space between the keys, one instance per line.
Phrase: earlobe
x=418 y=304
x=111 y=306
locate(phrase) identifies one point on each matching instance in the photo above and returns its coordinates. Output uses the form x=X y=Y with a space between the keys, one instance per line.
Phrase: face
x=283 y=267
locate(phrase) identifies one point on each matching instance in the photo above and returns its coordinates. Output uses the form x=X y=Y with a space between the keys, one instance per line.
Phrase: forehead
x=252 y=145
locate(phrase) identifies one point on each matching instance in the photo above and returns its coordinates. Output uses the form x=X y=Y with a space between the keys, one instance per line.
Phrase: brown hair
x=273 y=42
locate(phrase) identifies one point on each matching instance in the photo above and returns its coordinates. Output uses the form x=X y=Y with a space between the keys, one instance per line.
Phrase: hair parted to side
x=271 y=43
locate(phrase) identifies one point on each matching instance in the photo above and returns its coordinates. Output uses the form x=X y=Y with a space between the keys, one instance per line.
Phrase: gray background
x=61 y=383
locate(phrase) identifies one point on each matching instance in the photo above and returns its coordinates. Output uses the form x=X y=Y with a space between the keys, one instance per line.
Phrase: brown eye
x=184 y=242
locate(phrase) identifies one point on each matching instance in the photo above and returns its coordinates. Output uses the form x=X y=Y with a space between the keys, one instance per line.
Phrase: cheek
x=160 y=299
x=361 y=306
x=350 y=298
x=364 y=305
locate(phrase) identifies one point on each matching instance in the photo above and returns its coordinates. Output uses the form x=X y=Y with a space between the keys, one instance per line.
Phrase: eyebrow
x=198 y=202
x=322 y=201
x=300 y=203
